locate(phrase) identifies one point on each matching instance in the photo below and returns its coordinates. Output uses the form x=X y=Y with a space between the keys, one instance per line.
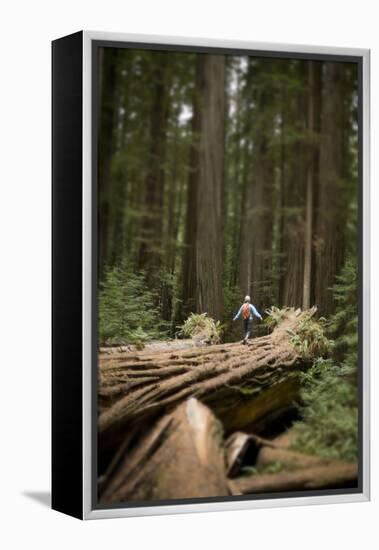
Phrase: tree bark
x=257 y=233
x=120 y=352
x=150 y=254
x=108 y=90
x=243 y=385
x=256 y=254
x=209 y=207
x=247 y=449
x=320 y=477
x=332 y=205
x=182 y=456
x=236 y=447
x=309 y=198
x=203 y=253
x=269 y=452
x=189 y=254
x=294 y=205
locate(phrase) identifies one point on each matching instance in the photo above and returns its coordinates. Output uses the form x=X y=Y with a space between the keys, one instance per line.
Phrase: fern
x=329 y=411
x=199 y=325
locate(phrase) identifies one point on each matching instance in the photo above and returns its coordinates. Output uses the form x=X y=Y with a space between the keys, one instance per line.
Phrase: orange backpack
x=246 y=311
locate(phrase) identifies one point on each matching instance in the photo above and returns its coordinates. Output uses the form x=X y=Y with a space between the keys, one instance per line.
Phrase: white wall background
x=26 y=31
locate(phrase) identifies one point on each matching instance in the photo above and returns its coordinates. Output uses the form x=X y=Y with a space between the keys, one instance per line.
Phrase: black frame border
x=67 y=269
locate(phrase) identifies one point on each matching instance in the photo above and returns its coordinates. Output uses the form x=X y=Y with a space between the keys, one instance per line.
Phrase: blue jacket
x=253 y=311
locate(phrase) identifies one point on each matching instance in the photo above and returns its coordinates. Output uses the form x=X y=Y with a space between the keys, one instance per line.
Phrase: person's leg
x=248 y=329
x=245 y=329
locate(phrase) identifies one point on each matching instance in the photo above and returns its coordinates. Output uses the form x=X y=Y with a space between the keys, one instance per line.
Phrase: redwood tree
x=204 y=236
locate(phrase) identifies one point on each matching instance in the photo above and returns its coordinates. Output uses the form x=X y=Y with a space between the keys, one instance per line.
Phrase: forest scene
x=227 y=192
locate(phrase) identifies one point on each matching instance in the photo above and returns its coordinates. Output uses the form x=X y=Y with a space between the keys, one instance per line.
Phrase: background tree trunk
x=106 y=144
x=189 y=255
x=150 y=254
x=209 y=209
x=309 y=196
x=255 y=262
x=294 y=204
x=332 y=206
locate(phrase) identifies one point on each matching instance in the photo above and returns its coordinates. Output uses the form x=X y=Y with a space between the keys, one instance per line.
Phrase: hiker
x=247 y=310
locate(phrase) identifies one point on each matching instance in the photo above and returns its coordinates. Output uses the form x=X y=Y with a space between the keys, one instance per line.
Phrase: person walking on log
x=246 y=311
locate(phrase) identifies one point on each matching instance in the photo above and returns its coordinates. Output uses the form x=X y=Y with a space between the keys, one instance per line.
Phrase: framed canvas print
x=210 y=275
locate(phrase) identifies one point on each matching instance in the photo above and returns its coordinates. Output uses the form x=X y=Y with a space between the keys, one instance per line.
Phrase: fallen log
x=118 y=352
x=291 y=459
x=182 y=456
x=237 y=447
x=286 y=439
x=331 y=476
x=250 y=449
x=241 y=384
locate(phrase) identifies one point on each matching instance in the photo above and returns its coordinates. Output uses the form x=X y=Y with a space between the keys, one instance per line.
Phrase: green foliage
x=343 y=324
x=274 y=316
x=310 y=339
x=330 y=414
x=148 y=165
x=201 y=327
x=329 y=425
x=127 y=310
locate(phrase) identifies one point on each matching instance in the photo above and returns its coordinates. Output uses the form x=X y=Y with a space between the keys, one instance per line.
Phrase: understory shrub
x=329 y=413
x=329 y=410
x=127 y=309
x=202 y=327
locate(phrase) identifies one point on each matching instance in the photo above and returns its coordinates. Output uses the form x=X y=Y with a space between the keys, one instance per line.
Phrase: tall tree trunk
x=293 y=238
x=121 y=176
x=259 y=204
x=282 y=185
x=314 y=104
x=309 y=199
x=332 y=206
x=150 y=251
x=108 y=64
x=255 y=255
x=170 y=231
x=209 y=234
x=203 y=259
x=189 y=253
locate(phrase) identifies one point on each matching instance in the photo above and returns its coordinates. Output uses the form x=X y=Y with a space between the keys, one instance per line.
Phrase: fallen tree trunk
x=237 y=447
x=241 y=384
x=286 y=439
x=182 y=456
x=291 y=459
x=118 y=352
x=249 y=449
x=331 y=476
